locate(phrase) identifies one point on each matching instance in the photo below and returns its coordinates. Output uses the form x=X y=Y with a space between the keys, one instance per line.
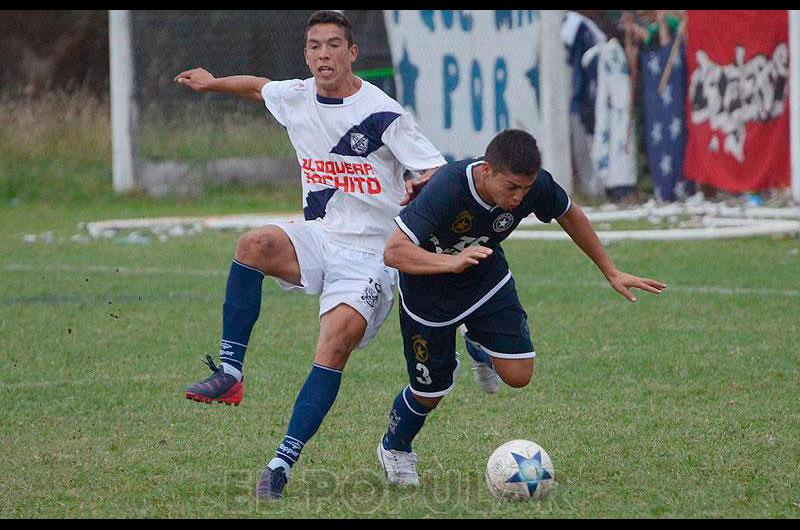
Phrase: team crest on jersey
x=370 y=296
x=503 y=222
x=359 y=143
x=462 y=223
x=420 y=347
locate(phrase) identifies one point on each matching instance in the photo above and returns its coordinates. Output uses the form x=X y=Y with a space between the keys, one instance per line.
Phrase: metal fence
x=185 y=140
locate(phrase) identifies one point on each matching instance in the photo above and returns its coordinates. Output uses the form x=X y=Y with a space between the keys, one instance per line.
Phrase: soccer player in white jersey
x=353 y=143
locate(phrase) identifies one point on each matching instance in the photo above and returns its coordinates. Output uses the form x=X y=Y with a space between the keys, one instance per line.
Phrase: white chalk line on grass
x=112 y=270
x=725 y=291
x=701 y=289
x=720 y=222
x=86 y=381
x=735 y=291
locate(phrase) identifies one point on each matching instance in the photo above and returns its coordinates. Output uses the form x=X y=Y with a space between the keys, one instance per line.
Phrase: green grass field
x=682 y=405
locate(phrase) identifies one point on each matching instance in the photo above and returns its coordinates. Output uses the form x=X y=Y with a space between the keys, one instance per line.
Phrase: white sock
x=230 y=370
x=276 y=462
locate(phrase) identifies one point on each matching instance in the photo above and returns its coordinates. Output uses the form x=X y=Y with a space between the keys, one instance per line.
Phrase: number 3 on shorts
x=425 y=379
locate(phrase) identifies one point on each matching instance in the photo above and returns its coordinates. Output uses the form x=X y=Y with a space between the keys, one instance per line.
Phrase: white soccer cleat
x=400 y=467
x=486 y=377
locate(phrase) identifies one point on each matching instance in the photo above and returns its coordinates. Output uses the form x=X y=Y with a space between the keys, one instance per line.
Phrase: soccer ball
x=519 y=470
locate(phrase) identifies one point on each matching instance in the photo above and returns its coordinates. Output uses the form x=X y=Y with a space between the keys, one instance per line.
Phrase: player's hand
x=469 y=257
x=198 y=79
x=623 y=282
x=413 y=187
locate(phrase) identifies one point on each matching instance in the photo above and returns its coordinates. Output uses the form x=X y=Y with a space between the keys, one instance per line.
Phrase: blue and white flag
x=614 y=146
x=665 y=120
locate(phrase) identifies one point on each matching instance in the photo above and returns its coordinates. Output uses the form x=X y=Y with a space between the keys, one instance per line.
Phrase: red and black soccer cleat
x=220 y=387
x=271 y=485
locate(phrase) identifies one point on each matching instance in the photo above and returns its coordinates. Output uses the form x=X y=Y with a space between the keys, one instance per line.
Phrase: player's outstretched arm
x=244 y=86
x=575 y=223
x=402 y=254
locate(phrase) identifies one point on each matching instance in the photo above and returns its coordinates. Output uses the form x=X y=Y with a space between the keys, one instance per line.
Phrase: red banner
x=737 y=103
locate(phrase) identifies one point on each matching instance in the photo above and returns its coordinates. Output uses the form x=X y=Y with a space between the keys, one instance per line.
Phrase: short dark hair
x=331 y=17
x=514 y=150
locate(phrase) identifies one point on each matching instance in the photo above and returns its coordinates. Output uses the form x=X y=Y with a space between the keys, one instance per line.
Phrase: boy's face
x=507 y=190
x=328 y=56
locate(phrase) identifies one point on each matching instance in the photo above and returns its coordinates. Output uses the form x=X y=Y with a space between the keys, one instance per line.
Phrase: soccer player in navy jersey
x=454 y=274
x=353 y=143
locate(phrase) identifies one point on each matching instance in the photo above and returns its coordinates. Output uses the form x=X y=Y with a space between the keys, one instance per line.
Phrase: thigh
x=500 y=327
x=361 y=281
x=430 y=355
x=306 y=248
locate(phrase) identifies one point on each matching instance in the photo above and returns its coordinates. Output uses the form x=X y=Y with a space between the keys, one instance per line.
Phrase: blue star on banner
x=530 y=471
x=653 y=65
x=655 y=133
x=666 y=96
x=408 y=78
x=675 y=128
x=533 y=77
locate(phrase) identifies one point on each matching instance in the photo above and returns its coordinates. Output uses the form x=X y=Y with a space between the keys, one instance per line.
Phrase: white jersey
x=353 y=153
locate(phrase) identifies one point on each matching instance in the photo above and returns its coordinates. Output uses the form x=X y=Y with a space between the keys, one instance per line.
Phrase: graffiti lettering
x=729 y=96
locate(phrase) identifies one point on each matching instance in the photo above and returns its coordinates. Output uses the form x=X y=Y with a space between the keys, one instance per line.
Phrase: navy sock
x=405 y=421
x=310 y=408
x=239 y=314
x=477 y=352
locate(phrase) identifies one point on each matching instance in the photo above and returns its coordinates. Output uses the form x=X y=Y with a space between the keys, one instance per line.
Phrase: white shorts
x=342 y=275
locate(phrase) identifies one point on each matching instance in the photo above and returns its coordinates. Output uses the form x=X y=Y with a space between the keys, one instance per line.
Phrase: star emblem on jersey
x=420 y=347
x=503 y=222
x=462 y=223
x=359 y=143
x=530 y=471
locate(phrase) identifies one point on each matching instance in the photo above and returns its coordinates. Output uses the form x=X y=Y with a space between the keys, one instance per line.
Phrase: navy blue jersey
x=447 y=216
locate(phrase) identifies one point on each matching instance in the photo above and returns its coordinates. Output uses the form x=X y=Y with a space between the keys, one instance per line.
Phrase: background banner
x=664 y=118
x=467 y=75
x=737 y=109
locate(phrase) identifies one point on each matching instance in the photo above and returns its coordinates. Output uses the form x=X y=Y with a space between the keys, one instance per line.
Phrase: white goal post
x=168 y=140
x=794 y=98
x=123 y=113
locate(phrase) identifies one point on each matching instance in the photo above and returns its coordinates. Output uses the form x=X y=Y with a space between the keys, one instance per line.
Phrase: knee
x=518 y=377
x=341 y=330
x=517 y=380
x=429 y=403
x=256 y=244
x=334 y=353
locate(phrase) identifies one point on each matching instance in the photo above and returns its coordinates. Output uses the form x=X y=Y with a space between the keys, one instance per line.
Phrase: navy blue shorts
x=499 y=326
